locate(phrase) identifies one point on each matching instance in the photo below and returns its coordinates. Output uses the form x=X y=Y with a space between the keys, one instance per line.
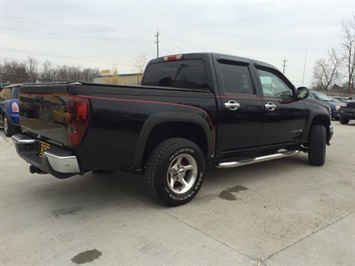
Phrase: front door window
x=273 y=86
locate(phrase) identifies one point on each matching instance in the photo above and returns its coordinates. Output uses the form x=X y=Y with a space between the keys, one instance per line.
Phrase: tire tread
x=155 y=158
x=317 y=145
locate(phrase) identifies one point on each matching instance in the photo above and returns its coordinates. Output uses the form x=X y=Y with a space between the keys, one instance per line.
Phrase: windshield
x=321 y=96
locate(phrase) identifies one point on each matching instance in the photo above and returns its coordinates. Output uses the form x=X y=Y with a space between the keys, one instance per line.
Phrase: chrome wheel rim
x=182 y=173
x=6 y=126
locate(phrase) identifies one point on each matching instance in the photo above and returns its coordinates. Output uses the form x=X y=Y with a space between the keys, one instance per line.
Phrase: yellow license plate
x=43 y=146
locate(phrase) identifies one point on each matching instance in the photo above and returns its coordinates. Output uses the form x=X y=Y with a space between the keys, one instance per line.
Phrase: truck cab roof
x=206 y=55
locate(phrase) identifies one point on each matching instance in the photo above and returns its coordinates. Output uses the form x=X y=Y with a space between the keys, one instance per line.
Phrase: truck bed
x=117 y=116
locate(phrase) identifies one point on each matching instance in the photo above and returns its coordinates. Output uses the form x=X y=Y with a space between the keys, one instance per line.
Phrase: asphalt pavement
x=282 y=212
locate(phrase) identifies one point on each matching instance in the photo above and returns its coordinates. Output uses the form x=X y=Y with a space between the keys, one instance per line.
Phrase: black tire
x=317 y=145
x=174 y=171
x=9 y=129
x=343 y=120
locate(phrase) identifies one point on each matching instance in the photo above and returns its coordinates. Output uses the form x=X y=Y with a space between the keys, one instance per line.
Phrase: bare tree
x=32 y=68
x=348 y=51
x=75 y=73
x=46 y=74
x=326 y=71
x=140 y=62
x=14 y=72
x=88 y=74
x=27 y=71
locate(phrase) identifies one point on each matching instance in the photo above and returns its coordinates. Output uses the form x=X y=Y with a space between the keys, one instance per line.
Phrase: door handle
x=270 y=106
x=232 y=105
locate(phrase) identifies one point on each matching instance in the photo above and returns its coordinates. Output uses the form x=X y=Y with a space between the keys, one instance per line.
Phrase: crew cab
x=191 y=111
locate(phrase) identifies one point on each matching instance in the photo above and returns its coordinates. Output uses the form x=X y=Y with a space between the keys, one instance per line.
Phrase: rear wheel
x=9 y=129
x=174 y=171
x=343 y=120
x=317 y=145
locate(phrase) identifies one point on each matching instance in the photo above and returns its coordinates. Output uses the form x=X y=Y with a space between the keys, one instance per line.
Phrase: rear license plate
x=43 y=146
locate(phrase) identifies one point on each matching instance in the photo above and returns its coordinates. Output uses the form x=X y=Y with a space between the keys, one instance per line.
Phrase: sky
x=112 y=33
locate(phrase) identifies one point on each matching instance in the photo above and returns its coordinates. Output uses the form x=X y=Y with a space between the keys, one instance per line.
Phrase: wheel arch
x=317 y=118
x=161 y=126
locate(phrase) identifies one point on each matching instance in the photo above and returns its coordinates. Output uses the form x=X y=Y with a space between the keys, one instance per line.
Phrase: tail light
x=14 y=107
x=79 y=111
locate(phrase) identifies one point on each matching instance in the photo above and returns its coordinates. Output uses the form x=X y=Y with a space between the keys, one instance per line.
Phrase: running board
x=258 y=159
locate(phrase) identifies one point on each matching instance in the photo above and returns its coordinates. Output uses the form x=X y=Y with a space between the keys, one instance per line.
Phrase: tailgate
x=44 y=111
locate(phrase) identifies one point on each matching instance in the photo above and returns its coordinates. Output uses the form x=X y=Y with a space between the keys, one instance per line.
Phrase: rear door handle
x=270 y=106
x=232 y=105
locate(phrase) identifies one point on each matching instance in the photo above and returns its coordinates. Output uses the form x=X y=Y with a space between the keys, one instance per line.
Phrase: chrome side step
x=258 y=159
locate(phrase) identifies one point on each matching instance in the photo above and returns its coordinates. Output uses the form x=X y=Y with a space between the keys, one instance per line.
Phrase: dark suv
x=334 y=104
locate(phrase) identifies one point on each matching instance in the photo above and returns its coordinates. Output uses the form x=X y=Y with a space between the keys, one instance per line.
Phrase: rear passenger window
x=236 y=78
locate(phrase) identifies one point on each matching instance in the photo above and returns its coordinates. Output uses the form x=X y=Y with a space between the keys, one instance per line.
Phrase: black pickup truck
x=192 y=110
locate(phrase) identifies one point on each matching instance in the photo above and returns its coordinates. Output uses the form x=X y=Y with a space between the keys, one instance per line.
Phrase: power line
x=189 y=43
x=66 y=25
x=61 y=56
x=72 y=35
x=95 y=29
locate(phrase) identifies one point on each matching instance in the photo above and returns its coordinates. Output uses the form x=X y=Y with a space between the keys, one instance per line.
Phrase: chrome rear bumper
x=56 y=161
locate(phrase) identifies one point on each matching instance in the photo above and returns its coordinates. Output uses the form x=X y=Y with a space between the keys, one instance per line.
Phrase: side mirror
x=302 y=93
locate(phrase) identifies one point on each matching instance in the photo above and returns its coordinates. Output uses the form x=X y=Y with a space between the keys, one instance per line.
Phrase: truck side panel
x=119 y=114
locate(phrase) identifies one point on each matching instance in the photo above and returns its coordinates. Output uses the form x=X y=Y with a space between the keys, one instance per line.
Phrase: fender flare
x=308 y=127
x=159 y=118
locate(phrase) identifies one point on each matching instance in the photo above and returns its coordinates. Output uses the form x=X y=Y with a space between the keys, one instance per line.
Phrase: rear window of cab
x=189 y=74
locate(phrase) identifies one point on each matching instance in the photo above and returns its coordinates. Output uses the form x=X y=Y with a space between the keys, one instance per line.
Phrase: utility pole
x=284 y=65
x=157 y=42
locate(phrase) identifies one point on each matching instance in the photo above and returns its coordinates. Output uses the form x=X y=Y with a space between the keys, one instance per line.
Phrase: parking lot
x=283 y=212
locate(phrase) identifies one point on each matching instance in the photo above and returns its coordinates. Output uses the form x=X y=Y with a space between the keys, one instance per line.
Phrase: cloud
x=96 y=34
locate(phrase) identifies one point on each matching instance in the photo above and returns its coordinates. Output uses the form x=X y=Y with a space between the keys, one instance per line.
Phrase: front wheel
x=343 y=120
x=174 y=171
x=317 y=145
